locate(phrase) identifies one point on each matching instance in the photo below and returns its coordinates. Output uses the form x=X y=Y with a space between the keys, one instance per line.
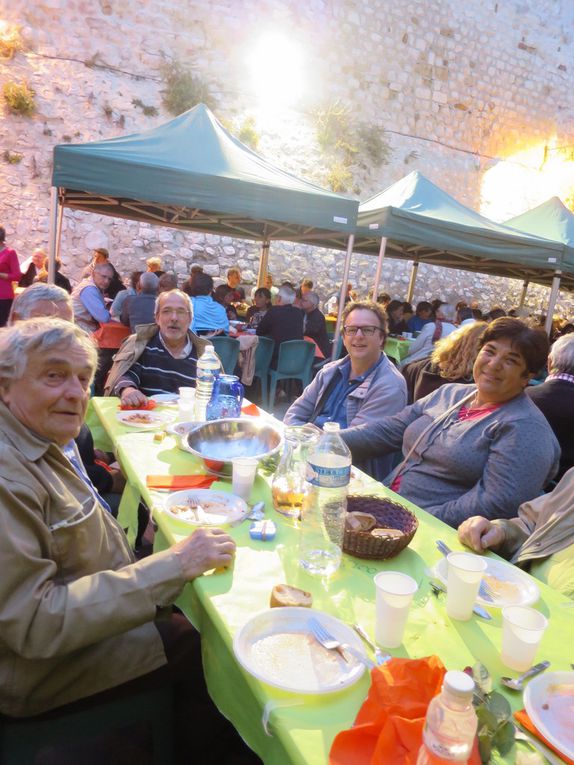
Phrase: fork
x=484 y=590
x=380 y=657
x=546 y=753
x=328 y=641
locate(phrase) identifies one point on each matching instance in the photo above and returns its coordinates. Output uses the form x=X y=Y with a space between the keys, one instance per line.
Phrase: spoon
x=518 y=684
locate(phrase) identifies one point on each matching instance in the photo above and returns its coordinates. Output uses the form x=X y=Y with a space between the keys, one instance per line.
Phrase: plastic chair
x=263 y=355
x=21 y=740
x=295 y=362
x=319 y=364
x=227 y=348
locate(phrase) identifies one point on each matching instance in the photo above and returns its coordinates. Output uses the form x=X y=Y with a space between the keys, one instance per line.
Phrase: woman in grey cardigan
x=472 y=450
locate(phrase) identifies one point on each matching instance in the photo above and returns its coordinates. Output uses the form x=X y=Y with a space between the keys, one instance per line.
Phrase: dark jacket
x=281 y=323
x=316 y=328
x=555 y=399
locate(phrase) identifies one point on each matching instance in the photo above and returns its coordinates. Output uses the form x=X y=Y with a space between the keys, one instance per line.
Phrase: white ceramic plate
x=144 y=419
x=203 y=507
x=510 y=585
x=278 y=648
x=549 y=701
x=165 y=398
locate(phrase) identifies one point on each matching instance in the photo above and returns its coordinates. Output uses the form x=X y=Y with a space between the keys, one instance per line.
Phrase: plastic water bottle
x=208 y=367
x=451 y=723
x=325 y=503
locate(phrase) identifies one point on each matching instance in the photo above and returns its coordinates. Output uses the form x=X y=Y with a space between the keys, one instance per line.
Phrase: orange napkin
x=524 y=719
x=389 y=725
x=177 y=482
x=251 y=409
x=150 y=405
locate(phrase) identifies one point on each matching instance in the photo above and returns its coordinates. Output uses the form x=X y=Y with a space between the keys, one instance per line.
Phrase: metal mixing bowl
x=220 y=441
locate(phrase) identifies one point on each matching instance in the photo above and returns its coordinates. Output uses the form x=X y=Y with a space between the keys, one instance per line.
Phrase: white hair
x=287 y=295
x=562 y=355
x=25 y=302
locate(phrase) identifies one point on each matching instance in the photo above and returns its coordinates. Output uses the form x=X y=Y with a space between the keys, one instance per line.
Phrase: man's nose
x=74 y=387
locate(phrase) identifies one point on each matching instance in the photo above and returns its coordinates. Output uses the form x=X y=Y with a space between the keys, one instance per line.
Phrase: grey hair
x=149 y=283
x=24 y=303
x=101 y=267
x=163 y=295
x=313 y=298
x=562 y=355
x=21 y=340
x=287 y=295
x=448 y=312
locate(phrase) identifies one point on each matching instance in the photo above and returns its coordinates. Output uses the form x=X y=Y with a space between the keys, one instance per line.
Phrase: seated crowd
x=460 y=429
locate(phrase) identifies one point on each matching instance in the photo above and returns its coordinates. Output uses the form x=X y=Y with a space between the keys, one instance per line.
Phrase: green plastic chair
x=319 y=364
x=227 y=348
x=21 y=740
x=295 y=362
x=263 y=354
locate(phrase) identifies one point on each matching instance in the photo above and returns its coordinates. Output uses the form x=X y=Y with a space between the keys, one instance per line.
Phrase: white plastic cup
x=244 y=471
x=188 y=393
x=394 y=593
x=465 y=572
x=522 y=631
x=408 y=335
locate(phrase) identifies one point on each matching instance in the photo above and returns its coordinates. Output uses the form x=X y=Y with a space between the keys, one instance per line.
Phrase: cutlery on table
x=484 y=590
x=544 y=751
x=380 y=657
x=518 y=684
x=328 y=641
x=437 y=587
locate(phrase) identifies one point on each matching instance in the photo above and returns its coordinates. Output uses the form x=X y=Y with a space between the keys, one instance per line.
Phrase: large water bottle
x=325 y=503
x=208 y=367
x=451 y=722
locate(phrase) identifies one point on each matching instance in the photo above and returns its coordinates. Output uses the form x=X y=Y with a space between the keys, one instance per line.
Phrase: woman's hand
x=479 y=533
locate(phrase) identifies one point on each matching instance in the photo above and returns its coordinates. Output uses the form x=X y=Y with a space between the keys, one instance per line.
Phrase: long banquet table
x=301 y=729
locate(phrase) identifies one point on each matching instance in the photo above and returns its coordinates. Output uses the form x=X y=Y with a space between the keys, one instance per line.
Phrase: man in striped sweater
x=159 y=357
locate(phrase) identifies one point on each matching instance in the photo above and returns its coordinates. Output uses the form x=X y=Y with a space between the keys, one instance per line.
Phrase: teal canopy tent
x=191 y=173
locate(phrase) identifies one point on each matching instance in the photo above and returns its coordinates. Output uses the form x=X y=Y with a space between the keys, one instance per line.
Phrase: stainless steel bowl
x=220 y=441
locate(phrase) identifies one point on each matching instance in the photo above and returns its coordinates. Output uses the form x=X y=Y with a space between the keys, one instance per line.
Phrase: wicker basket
x=388 y=514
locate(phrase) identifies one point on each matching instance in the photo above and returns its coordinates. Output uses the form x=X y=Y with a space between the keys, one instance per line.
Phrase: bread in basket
x=394 y=527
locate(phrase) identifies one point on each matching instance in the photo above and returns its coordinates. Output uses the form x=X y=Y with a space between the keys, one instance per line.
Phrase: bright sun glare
x=276 y=70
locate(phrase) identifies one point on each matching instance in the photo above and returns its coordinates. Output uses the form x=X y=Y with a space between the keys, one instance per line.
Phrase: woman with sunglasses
x=360 y=388
x=479 y=449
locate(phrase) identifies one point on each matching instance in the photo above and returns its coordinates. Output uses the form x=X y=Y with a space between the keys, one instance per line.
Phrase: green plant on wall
x=149 y=111
x=334 y=131
x=339 y=177
x=10 y=43
x=248 y=133
x=12 y=157
x=373 y=145
x=183 y=89
x=19 y=97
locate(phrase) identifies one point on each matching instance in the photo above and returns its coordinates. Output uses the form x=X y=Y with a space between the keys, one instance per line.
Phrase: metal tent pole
x=525 y=284
x=53 y=242
x=379 y=268
x=412 y=281
x=552 y=300
x=263 y=262
x=342 y=294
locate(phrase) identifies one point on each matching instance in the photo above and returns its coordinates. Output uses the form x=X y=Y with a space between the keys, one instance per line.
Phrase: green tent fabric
x=551 y=220
x=191 y=173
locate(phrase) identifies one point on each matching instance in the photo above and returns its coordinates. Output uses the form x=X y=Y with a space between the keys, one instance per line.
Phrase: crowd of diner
x=475 y=425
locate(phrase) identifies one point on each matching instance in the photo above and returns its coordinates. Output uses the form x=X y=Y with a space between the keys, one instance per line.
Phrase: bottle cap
x=459 y=684
x=331 y=427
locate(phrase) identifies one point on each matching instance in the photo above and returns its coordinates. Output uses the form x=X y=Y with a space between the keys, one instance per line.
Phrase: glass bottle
x=289 y=484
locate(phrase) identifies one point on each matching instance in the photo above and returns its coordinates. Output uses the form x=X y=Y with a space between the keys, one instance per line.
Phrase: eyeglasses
x=351 y=331
x=179 y=312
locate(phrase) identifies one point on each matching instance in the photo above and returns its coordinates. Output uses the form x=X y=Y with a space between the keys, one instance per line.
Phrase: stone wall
x=468 y=93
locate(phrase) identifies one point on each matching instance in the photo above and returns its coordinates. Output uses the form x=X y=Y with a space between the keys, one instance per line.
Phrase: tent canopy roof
x=422 y=222
x=192 y=173
x=551 y=220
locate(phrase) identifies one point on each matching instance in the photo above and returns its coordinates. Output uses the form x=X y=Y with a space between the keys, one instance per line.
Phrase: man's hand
x=133 y=397
x=479 y=533
x=203 y=550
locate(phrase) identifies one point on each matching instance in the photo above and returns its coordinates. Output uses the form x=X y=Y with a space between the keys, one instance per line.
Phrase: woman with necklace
x=9 y=272
x=478 y=449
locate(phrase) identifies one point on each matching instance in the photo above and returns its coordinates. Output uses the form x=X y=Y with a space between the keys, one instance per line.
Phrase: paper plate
x=204 y=507
x=165 y=398
x=278 y=648
x=549 y=701
x=510 y=586
x=142 y=419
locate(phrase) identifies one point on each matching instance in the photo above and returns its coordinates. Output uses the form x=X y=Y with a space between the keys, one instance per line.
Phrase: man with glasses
x=159 y=357
x=362 y=387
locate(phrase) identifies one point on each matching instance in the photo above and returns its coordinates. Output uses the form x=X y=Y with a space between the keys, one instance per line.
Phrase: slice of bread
x=360 y=521
x=286 y=595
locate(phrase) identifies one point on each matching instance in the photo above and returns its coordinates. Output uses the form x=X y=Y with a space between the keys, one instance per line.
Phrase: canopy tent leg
x=412 y=281
x=379 y=268
x=552 y=301
x=525 y=284
x=55 y=232
x=342 y=294
x=263 y=263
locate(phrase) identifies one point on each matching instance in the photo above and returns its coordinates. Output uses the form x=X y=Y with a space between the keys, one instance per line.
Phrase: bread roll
x=360 y=521
x=389 y=533
x=285 y=595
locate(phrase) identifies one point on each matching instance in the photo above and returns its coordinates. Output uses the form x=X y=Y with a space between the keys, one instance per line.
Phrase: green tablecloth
x=396 y=348
x=302 y=728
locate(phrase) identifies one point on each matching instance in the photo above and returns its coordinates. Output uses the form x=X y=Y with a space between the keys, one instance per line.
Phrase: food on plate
x=286 y=595
x=502 y=589
x=158 y=437
x=387 y=533
x=141 y=418
x=360 y=521
x=199 y=512
x=560 y=706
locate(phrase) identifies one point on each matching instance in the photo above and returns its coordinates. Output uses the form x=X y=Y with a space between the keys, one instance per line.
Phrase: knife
x=478 y=610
